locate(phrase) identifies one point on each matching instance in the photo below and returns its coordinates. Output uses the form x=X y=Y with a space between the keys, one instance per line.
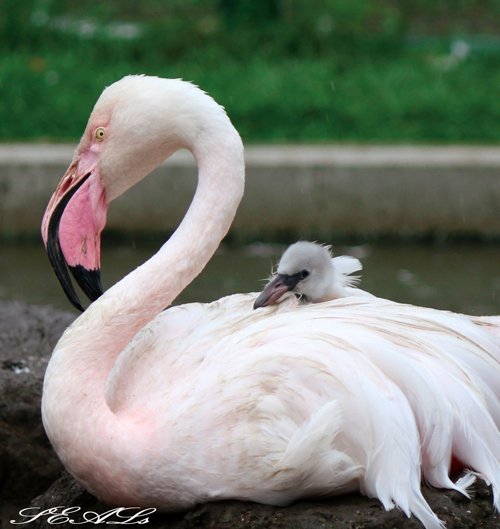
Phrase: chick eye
x=304 y=274
x=99 y=133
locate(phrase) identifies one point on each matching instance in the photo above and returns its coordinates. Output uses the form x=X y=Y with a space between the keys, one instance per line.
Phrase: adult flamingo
x=203 y=402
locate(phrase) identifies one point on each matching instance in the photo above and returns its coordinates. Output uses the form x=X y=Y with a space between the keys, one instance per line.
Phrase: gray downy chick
x=308 y=270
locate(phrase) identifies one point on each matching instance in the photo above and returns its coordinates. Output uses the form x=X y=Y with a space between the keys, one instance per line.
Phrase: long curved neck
x=155 y=285
x=74 y=404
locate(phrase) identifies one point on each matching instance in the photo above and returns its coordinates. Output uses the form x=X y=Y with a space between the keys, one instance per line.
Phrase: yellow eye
x=99 y=133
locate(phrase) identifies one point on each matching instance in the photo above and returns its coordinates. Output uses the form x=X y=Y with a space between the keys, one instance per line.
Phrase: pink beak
x=71 y=229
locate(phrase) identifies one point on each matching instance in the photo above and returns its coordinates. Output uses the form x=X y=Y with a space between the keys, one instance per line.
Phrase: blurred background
x=286 y=70
x=343 y=72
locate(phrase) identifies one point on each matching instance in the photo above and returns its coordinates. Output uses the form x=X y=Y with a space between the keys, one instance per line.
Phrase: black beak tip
x=88 y=280
x=59 y=266
x=76 y=303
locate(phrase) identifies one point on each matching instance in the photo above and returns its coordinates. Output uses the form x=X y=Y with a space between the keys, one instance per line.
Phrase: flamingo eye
x=99 y=133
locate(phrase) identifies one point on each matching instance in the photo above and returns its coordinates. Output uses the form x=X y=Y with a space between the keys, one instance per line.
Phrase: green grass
x=407 y=99
x=365 y=80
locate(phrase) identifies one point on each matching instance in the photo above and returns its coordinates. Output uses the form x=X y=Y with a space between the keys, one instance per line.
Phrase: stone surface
x=344 y=512
x=27 y=336
x=394 y=191
x=29 y=468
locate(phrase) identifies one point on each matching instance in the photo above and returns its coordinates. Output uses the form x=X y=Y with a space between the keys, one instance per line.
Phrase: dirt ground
x=31 y=475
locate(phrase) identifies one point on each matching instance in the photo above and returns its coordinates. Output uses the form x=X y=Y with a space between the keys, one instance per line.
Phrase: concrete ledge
x=319 y=191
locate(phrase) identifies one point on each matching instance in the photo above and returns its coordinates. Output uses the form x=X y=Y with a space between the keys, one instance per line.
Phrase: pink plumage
x=203 y=402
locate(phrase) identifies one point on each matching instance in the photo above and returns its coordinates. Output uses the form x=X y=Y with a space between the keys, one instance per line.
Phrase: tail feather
x=326 y=454
x=450 y=386
x=464 y=483
x=393 y=471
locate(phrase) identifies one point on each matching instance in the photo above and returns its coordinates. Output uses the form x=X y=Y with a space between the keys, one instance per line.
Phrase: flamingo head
x=136 y=123
x=304 y=269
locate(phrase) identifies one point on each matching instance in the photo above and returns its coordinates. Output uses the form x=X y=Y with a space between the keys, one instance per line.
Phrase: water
x=461 y=277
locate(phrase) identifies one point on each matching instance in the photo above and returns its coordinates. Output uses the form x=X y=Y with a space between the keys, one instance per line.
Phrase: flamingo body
x=210 y=401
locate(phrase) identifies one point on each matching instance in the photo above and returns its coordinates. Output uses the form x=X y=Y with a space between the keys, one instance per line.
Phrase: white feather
x=343 y=267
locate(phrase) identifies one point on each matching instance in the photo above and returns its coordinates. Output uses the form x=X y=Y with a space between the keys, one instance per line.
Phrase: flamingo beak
x=71 y=227
x=275 y=289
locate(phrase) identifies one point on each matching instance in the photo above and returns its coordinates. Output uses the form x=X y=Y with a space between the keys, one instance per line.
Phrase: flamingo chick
x=308 y=270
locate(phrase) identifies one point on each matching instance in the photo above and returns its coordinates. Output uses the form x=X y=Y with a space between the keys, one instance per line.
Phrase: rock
x=28 y=466
x=27 y=336
x=342 y=512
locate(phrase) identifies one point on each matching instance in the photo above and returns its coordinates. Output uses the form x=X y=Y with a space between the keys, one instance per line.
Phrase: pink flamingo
x=202 y=402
